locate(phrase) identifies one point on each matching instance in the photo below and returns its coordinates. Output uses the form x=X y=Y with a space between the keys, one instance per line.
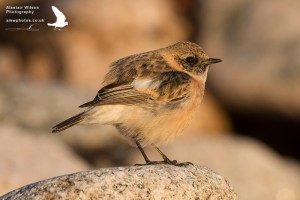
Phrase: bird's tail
x=69 y=122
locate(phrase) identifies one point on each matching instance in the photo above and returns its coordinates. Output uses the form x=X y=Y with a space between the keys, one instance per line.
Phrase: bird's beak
x=213 y=60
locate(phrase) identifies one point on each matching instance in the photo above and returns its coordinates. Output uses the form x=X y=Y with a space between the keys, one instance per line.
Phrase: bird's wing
x=166 y=88
x=144 y=78
x=122 y=95
x=60 y=17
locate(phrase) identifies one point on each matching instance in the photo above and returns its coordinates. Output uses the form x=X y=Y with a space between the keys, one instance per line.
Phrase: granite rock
x=137 y=182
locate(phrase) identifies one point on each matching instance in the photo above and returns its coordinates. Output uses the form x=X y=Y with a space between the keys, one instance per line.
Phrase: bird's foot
x=168 y=162
x=151 y=163
x=179 y=164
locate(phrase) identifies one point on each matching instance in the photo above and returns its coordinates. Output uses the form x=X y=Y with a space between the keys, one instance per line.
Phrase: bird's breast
x=169 y=123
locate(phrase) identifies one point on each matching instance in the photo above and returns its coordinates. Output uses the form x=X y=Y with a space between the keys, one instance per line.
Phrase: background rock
x=27 y=158
x=258 y=80
x=139 y=182
x=260 y=46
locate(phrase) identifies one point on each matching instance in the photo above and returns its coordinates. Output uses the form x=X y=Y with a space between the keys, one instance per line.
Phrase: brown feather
x=68 y=123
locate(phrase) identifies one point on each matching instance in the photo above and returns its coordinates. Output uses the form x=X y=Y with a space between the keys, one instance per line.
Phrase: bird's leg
x=167 y=160
x=148 y=161
x=142 y=151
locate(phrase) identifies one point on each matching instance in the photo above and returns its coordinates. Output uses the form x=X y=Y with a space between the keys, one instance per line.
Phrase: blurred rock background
x=254 y=93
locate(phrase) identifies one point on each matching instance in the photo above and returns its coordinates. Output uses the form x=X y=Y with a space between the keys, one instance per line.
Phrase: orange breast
x=167 y=125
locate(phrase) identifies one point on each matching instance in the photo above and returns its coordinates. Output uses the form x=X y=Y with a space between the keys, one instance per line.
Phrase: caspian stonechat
x=149 y=97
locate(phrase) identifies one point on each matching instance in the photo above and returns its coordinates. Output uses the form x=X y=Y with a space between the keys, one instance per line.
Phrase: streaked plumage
x=149 y=97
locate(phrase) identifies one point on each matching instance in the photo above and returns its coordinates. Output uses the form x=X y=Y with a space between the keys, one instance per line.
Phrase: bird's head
x=190 y=58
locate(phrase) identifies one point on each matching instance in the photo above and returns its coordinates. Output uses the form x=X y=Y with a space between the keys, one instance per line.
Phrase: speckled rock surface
x=136 y=182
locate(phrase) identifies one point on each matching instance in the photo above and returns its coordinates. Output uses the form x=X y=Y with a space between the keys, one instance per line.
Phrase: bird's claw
x=168 y=162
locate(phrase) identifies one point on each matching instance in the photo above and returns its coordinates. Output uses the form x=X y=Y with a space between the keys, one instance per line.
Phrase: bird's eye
x=191 y=60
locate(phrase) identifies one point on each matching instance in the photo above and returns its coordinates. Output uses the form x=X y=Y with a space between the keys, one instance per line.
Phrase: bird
x=60 y=19
x=149 y=97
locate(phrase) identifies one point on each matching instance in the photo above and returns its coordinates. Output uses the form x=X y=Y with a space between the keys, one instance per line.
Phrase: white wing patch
x=145 y=84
